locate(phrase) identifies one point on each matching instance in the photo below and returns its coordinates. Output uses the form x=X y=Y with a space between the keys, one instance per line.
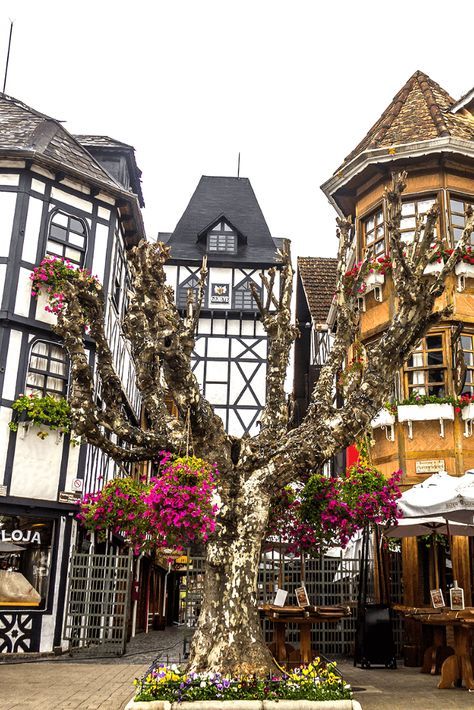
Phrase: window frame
x=47 y=373
x=452 y=196
x=426 y=367
x=65 y=243
x=373 y=213
x=416 y=198
x=241 y=288
x=468 y=388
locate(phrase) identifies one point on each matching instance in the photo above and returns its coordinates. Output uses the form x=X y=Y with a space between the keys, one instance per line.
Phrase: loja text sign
x=20 y=536
x=430 y=466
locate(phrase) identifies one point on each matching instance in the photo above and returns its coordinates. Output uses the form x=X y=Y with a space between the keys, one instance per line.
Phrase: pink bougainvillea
x=51 y=276
x=180 y=507
x=329 y=511
x=174 y=509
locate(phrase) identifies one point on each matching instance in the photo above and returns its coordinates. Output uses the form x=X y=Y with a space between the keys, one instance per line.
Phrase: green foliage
x=317 y=681
x=421 y=399
x=46 y=411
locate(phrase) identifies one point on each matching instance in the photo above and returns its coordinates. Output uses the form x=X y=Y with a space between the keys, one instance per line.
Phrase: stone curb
x=247 y=705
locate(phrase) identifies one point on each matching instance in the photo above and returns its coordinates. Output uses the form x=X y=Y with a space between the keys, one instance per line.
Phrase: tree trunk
x=229 y=637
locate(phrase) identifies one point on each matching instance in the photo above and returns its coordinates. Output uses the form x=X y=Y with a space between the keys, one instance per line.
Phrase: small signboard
x=430 y=466
x=220 y=293
x=3 y=490
x=68 y=497
x=437 y=598
x=302 y=596
x=280 y=597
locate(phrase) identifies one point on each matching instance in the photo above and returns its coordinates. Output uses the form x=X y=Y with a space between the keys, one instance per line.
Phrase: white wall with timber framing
x=230 y=354
x=34 y=471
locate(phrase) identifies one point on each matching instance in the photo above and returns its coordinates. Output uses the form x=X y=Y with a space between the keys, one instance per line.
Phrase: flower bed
x=317 y=681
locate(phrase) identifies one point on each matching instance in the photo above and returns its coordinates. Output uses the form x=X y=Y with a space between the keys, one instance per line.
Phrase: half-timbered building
x=56 y=198
x=427 y=133
x=223 y=222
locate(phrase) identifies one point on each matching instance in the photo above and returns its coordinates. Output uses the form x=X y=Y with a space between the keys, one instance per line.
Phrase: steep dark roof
x=104 y=141
x=234 y=199
x=318 y=276
x=419 y=111
x=105 y=149
x=24 y=130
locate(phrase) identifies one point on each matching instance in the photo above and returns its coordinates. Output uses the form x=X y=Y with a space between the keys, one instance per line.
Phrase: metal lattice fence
x=328 y=580
x=97 y=603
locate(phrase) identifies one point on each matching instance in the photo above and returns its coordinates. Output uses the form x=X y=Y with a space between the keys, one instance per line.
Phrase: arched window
x=47 y=370
x=242 y=296
x=67 y=237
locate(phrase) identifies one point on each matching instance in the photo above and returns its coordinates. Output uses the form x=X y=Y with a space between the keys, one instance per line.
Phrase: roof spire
x=8 y=56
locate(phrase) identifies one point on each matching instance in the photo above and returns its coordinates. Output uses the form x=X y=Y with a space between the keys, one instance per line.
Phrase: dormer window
x=222 y=239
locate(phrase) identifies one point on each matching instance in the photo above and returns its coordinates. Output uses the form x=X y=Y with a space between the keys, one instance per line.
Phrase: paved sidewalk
x=107 y=684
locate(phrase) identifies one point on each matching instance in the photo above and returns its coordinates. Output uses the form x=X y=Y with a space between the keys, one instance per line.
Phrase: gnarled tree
x=228 y=637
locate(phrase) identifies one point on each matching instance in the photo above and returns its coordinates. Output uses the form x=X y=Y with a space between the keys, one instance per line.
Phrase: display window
x=25 y=561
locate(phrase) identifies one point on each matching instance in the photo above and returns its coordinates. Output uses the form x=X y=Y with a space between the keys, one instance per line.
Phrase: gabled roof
x=235 y=199
x=318 y=277
x=25 y=131
x=420 y=111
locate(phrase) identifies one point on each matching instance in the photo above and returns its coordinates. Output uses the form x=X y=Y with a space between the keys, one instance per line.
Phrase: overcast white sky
x=291 y=85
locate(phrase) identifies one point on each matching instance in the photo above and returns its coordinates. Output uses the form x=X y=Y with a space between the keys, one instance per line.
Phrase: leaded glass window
x=67 y=237
x=425 y=369
x=47 y=370
x=374 y=233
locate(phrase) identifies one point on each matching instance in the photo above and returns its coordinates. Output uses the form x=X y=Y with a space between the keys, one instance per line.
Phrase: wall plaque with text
x=430 y=466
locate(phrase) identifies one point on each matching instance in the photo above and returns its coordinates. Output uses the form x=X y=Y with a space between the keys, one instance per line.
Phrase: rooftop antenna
x=8 y=56
x=238 y=165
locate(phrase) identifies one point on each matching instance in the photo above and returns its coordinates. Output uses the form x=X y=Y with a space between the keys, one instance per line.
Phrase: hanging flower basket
x=463 y=271
x=410 y=413
x=375 y=278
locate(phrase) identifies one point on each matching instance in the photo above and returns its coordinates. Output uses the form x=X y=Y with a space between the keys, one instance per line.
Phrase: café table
x=458 y=666
x=304 y=618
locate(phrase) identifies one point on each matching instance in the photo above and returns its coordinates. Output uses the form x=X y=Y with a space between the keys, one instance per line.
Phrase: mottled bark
x=228 y=637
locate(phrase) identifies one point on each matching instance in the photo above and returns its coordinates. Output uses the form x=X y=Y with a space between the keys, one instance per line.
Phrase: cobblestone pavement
x=107 y=683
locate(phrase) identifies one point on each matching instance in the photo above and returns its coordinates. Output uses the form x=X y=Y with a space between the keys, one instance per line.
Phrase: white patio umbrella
x=413 y=527
x=434 y=497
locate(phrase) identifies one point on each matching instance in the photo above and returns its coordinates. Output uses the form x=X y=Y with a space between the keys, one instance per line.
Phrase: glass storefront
x=25 y=561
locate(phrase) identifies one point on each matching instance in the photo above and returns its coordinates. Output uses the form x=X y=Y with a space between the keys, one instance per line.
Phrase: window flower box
x=463 y=271
x=384 y=420
x=467 y=414
x=410 y=413
x=434 y=268
x=375 y=278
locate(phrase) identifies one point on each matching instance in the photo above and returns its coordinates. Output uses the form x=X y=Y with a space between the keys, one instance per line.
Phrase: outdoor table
x=458 y=665
x=304 y=618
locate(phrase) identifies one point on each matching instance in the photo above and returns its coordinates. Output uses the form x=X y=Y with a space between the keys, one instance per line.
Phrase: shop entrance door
x=98 y=602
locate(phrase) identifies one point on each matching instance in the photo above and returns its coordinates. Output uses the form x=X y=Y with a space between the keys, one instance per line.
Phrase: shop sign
x=68 y=497
x=220 y=293
x=20 y=536
x=183 y=560
x=430 y=466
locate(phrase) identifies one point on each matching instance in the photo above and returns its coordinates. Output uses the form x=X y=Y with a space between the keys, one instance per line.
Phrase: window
x=467 y=343
x=222 y=239
x=243 y=298
x=374 y=233
x=47 y=370
x=119 y=267
x=67 y=238
x=457 y=217
x=425 y=369
x=25 y=561
x=191 y=282
x=410 y=211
